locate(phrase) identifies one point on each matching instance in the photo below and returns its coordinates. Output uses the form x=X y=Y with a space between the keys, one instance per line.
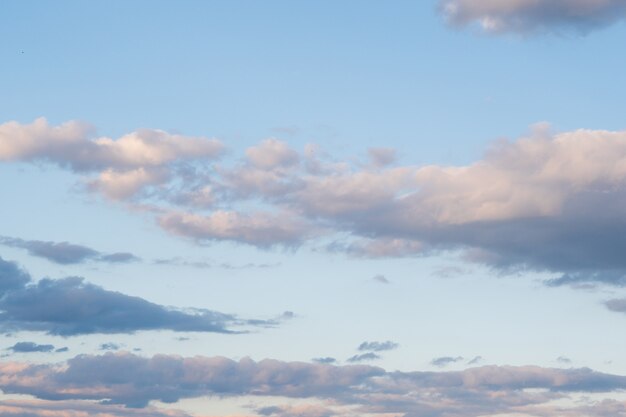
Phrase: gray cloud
x=133 y=380
x=445 y=361
x=532 y=16
x=617 y=304
x=71 y=306
x=28 y=347
x=378 y=346
x=363 y=357
x=38 y=408
x=475 y=360
x=65 y=253
x=381 y=279
x=124 y=378
x=564 y=360
x=109 y=346
x=325 y=360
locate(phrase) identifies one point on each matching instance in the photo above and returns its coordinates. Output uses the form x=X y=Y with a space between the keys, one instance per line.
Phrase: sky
x=312 y=208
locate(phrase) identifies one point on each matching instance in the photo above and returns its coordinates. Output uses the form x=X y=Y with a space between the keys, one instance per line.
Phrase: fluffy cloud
x=72 y=144
x=124 y=378
x=523 y=16
x=545 y=202
x=65 y=253
x=72 y=306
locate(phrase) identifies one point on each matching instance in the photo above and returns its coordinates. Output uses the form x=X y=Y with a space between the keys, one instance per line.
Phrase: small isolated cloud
x=109 y=346
x=445 y=361
x=564 y=360
x=363 y=357
x=72 y=306
x=29 y=347
x=65 y=253
x=326 y=360
x=617 y=305
x=475 y=360
x=381 y=279
x=378 y=346
x=533 y=16
x=63 y=349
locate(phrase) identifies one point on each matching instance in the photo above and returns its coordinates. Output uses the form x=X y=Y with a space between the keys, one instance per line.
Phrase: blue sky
x=207 y=198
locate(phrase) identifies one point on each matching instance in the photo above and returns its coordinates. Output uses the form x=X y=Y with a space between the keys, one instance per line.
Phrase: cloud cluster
x=71 y=306
x=64 y=252
x=545 y=202
x=134 y=381
x=526 y=16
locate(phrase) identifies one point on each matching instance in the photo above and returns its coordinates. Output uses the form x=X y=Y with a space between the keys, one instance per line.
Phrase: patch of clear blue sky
x=347 y=75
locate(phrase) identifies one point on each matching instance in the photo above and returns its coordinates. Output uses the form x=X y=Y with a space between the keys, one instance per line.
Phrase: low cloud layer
x=65 y=253
x=530 y=16
x=134 y=381
x=545 y=202
x=71 y=306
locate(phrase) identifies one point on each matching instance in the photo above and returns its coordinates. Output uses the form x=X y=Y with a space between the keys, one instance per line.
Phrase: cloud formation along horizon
x=71 y=306
x=533 y=16
x=135 y=381
x=544 y=202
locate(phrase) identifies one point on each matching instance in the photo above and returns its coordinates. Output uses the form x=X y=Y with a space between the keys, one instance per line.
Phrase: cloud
x=617 y=304
x=124 y=378
x=260 y=229
x=475 y=360
x=381 y=157
x=65 y=253
x=109 y=346
x=445 y=361
x=135 y=381
x=38 y=408
x=29 y=347
x=532 y=16
x=325 y=360
x=380 y=279
x=545 y=202
x=378 y=346
x=71 y=306
x=564 y=360
x=369 y=356
x=72 y=145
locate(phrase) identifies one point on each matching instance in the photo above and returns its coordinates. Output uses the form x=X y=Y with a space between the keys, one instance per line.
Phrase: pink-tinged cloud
x=131 y=380
x=547 y=201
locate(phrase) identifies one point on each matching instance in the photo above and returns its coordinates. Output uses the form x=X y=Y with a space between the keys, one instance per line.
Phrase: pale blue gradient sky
x=346 y=75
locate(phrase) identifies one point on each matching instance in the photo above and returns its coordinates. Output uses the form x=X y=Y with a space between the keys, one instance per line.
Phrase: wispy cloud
x=66 y=253
x=444 y=361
